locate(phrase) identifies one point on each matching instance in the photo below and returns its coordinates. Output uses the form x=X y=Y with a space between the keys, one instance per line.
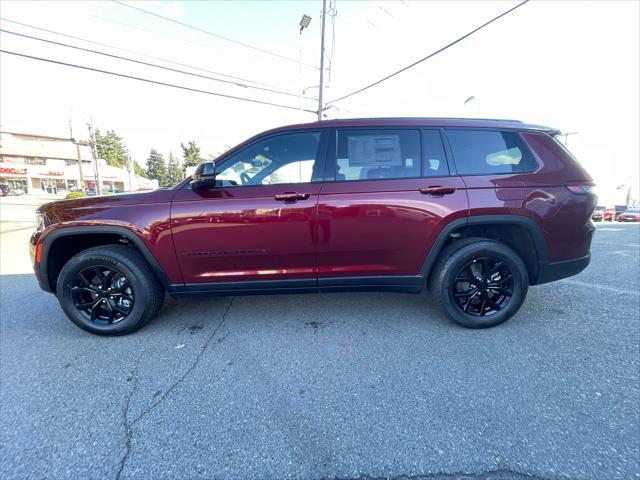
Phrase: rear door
x=387 y=194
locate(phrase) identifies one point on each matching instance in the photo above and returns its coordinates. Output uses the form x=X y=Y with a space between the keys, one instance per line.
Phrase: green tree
x=175 y=173
x=112 y=148
x=138 y=170
x=157 y=168
x=191 y=154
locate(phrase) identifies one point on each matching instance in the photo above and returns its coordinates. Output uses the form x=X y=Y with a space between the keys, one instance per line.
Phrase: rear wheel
x=109 y=290
x=479 y=283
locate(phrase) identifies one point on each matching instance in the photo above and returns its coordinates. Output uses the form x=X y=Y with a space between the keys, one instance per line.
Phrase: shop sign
x=53 y=173
x=13 y=171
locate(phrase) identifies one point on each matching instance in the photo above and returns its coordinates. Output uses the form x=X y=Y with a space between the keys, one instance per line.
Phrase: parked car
x=631 y=215
x=598 y=214
x=474 y=210
x=6 y=191
x=609 y=214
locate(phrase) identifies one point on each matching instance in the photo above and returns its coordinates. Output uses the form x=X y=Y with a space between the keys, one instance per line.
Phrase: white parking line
x=578 y=283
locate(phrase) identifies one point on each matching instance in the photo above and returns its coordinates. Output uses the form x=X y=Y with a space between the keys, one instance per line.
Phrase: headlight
x=41 y=221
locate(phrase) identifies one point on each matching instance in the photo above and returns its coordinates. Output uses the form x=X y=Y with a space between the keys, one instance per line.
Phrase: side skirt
x=401 y=284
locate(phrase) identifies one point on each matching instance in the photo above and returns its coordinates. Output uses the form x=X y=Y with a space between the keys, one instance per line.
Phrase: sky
x=573 y=65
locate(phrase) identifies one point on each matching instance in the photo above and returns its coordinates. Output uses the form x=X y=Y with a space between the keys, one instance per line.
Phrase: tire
x=86 y=278
x=462 y=258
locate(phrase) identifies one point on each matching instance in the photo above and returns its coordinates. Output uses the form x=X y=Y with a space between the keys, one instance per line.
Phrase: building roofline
x=48 y=137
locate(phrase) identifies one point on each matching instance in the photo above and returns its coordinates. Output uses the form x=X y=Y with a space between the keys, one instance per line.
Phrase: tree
x=112 y=148
x=175 y=174
x=138 y=170
x=157 y=168
x=191 y=155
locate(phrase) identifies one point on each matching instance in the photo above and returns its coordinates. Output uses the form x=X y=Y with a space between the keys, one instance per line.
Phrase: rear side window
x=374 y=154
x=487 y=152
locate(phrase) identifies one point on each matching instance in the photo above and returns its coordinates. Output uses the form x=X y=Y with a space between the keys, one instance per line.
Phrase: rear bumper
x=552 y=271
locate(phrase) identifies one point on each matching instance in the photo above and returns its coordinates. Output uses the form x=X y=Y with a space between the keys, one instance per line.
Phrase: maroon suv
x=475 y=210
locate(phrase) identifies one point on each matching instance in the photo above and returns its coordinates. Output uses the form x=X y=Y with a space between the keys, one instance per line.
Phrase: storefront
x=15 y=177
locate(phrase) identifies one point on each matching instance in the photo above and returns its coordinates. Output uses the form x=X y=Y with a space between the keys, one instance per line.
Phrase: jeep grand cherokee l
x=474 y=210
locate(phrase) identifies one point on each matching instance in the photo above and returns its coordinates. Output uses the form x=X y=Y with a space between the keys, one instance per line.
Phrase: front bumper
x=552 y=271
x=33 y=247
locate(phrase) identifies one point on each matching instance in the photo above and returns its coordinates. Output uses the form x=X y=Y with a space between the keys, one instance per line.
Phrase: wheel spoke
x=118 y=308
x=464 y=294
x=84 y=281
x=498 y=265
x=502 y=281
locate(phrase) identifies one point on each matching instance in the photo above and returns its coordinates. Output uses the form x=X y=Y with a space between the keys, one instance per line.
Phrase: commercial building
x=38 y=163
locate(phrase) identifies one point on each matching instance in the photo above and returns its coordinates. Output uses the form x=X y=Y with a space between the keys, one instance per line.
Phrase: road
x=329 y=386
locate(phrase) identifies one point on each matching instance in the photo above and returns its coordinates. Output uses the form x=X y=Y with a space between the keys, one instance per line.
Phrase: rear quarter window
x=487 y=152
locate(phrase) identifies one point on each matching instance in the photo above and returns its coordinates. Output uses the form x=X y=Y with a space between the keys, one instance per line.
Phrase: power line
x=75 y=47
x=156 y=82
x=430 y=55
x=134 y=52
x=201 y=30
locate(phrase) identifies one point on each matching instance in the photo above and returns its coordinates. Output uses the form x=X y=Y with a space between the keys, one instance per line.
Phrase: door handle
x=437 y=191
x=291 y=196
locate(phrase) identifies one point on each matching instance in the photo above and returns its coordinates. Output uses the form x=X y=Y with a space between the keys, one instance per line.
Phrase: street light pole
x=320 y=103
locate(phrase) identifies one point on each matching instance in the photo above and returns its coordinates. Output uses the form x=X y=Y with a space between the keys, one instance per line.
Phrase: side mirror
x=204 y=177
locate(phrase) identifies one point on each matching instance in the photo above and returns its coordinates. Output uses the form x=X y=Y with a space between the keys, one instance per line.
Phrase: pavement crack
x=127 y=425
x=502 y=474
x=125 y=409
x=191 y=368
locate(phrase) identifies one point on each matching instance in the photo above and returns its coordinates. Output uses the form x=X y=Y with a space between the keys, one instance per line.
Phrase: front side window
x=486 y=152
x=288 y=158
x=374 y=154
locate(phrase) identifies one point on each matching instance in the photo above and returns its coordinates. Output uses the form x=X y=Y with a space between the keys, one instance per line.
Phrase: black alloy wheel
x=479 y=282
x=483 y=286
x=109 y=290
x=102 y=294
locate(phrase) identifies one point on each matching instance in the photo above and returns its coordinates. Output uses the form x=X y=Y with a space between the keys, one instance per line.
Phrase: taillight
x=580 y=189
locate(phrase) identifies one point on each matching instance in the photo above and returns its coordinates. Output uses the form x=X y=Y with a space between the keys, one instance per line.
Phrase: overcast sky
x=572 y=65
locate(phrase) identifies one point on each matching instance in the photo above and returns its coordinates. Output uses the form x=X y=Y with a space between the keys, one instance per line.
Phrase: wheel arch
x=517 y=231
x=56 y=252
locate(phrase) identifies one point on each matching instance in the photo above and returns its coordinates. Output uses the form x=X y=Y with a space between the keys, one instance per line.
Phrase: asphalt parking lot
x=329 y=386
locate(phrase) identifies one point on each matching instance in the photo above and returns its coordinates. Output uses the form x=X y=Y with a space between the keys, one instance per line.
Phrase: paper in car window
x=374 y=150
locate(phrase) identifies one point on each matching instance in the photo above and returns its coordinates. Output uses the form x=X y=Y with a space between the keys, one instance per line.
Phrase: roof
x=423 y=122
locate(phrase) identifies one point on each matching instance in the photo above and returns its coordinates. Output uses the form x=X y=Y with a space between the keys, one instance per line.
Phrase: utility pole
x=94 y=156
x=320 y=102
x=130 y=165
x=78 y=156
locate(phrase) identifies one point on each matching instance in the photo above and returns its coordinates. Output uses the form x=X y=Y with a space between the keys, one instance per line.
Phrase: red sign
x=13 y=171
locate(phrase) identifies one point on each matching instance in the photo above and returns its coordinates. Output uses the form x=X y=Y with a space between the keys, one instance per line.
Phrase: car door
x=258 y=223
x=387 y=194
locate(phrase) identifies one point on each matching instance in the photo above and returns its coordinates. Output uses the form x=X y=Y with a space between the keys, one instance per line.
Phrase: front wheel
x=109 y=290
x=479 y=283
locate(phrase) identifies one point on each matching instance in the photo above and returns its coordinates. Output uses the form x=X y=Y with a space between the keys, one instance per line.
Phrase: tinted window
x=434 y=163
x=287 y=158
x=372 y=154
x=487 y=152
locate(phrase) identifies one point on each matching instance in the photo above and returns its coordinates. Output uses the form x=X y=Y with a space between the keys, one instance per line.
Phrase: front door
x=388 y=194
x=259 y=222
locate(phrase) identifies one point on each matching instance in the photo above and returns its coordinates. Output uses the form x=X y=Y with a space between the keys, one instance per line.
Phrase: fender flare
x=520 y=220
x=51 y=237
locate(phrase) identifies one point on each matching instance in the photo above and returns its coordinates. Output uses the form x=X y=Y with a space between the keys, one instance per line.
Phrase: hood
x=66 y=210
